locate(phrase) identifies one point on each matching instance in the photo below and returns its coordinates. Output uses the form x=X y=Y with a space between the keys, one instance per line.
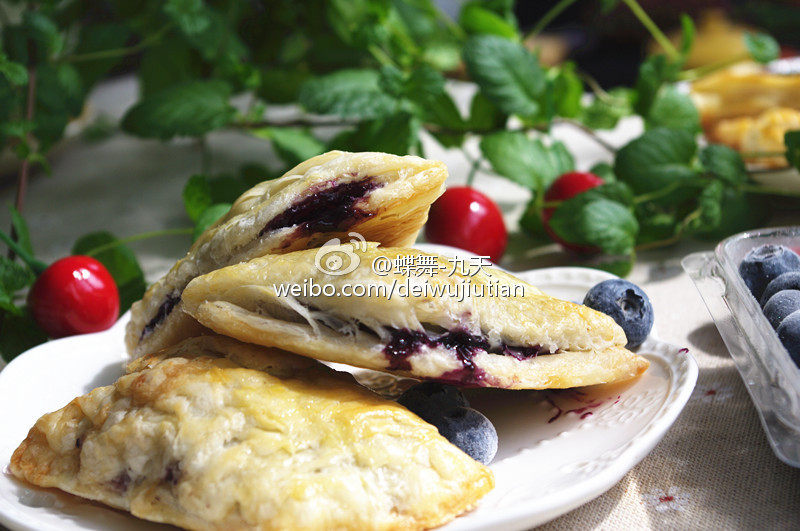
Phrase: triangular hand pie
x=383 y=197
x=481 y=328
x=215 y=434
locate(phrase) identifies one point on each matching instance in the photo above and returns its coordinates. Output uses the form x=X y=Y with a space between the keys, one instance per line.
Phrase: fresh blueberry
x=789 y=334
x=763 y=264
x=790 y=280
x=432 y=399
x=627 y=304
x=781 y=305
x=471 y=431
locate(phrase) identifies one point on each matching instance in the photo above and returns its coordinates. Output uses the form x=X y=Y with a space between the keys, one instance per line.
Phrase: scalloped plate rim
x=548 y=507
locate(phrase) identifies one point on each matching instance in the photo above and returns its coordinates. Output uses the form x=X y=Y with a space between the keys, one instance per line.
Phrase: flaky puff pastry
x=215 y=434
x=382 y=197
x=498 y=331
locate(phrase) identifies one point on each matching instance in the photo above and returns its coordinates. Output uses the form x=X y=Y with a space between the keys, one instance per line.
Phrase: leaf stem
x=37 y=266
x=549 y=17
x=589 y=132
x=24 y=169
x=654 y=30
x=118 y=52
x=138 y=237
x=381 y=56
x=757 y=189
x=696 y=73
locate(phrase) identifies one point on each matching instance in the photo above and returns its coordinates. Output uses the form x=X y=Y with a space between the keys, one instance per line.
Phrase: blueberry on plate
x=432 y=399
x=763 y=264
x=471 y=431
x=789 y=334
x=627 y=304
x=790 y=280
x=781 y=305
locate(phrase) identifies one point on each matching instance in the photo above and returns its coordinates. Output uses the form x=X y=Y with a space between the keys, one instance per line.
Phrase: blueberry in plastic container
x=763 y=264
x=790 y=280
x=781 y=305
x=627 y=304
x=789 y=334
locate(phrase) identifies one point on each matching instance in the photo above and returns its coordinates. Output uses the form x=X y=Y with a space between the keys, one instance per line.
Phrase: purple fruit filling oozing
x=405 y=343
x=326 y=210
x=163 y=311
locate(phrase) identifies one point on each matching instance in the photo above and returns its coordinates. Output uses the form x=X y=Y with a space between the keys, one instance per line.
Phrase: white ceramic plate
x=558 y=450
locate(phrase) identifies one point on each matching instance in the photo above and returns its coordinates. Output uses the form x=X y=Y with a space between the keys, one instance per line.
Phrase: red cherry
x=465 y=218
x=75 y=295
x=567 y=186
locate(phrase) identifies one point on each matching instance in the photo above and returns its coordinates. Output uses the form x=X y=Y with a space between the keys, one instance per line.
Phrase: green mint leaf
x=531 y=222
x=656 y=159
x=603 y=114
x=606 y=6
x=709 y=204
x=209 y=217
x=97 y=37
x=688 y=32
x=348 y=93
x=120 y=262
x=724 y=163
x=484 y=116
x=44 y=35
x=507 y=73
x=397 y=134
x=14 y=277
x=15 y=73
x=524 y=160
x=189 y=109
x=792 y=141
x=191 y=16
x=196 y=196
x=19 y=333
x=166 y=64
x=21 y=230
x=596 y=221
x=567 y=89
x=615 y=191
x=476 y=19
x=605 y=171
x=359 y=22
x=762 y=47
x=281 y=85
x=738 y=212
x=655 y=223
x=653 y=73
x=674 y=110
x=292 y=145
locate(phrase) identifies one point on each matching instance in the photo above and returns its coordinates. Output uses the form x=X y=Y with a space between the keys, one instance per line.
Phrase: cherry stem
x=37 y=266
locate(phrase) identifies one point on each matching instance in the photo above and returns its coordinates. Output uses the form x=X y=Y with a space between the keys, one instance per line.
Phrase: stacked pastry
x=226 y=418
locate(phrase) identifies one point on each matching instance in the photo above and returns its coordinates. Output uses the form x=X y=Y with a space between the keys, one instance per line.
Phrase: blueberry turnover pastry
x=215 y=434
x=449 y=323
x=383 y=197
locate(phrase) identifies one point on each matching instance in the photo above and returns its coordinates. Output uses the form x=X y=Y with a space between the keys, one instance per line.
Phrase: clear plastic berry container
x=770 y=375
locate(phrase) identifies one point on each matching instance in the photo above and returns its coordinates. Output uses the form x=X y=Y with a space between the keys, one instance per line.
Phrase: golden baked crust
x=524 y=341
x=383 y=197
x=746 y=89
x=763 y=133
x=197 y=440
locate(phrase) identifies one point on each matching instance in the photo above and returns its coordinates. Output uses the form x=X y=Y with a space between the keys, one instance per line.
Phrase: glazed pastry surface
x=216 y=434
x=519 y=338
x=383 y=197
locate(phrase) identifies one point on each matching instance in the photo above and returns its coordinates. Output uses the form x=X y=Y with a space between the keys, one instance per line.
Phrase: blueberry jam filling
x=172 y=474
x=164 y=310
x=326 y=210
x=121 y=482
x=405 y=343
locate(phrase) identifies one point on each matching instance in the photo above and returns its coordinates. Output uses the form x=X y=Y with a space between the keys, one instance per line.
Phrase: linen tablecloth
x=713 y=469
